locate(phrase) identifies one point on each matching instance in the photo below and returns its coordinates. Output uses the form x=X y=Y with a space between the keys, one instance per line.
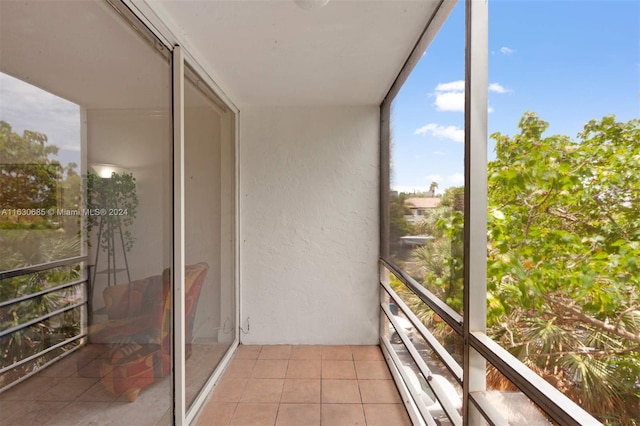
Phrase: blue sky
x=568 y=61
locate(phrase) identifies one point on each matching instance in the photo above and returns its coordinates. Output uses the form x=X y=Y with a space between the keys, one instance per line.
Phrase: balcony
x=198 y=208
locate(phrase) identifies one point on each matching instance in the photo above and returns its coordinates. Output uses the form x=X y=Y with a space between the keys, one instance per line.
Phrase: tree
x=399 y=226
x=31 y=182
x=29 y=177
x=564 y=258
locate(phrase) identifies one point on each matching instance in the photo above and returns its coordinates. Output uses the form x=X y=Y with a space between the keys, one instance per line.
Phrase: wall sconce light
x=105 y=171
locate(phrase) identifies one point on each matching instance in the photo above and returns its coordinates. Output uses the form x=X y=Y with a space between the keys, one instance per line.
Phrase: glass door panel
x=209 y=232
x=86 y=230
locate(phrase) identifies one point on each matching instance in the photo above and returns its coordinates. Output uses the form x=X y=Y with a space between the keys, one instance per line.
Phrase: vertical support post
x=385 y=176
x=475 y=209
x=178 y=240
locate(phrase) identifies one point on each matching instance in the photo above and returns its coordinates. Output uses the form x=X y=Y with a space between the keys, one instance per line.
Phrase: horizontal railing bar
x=41 y=267
x=553 y=402
x=413 y=393
x=41 y=353
x=486 y=408
x=450 y=410
x=41 y=318
x=42 y=292
x=446 y=358
x=445 y=312
x=62 y=355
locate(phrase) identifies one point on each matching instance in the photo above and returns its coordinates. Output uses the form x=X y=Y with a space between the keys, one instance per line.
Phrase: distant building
x=418 y=207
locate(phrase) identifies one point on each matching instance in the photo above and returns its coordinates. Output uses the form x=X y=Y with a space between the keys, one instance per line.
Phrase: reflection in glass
x=96 y=328
x=209 y=201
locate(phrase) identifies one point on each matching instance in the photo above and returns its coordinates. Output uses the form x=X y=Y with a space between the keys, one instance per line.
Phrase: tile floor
x=59 y=395
x=305 y=386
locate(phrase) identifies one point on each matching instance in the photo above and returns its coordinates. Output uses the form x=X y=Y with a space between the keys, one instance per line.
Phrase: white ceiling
x=260 y=52
x=74 y=50
x=273 y=52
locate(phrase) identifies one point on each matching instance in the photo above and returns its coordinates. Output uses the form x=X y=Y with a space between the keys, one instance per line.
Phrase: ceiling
x=274 y=52
x=87 y=59
x=260 y=52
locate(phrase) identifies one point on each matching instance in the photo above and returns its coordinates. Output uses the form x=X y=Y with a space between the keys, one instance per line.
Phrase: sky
x=568 y=61
x=27 y=107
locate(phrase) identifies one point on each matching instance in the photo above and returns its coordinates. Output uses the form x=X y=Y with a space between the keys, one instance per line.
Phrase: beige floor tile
x=337 y=353
x=386 y=414
x=298 y=415
x=68 y=389
x=335 y=369
x=340 y=392
x=65 y=367
x=248 y=352
x=379 y=392
x=9 y=408
x=78 y=413
x=275 y=352
x=229 y=389
x=306 y=352
x=97 y=393
x=367 y=353
x=342 y=415
x=263 y=390
x=167 y=418
x=30 y=389
x=29 y=413
x=372 y=370
x=241 y=368
x=270 y=369
x=141 y=412
x=156 y=393
x=304 y=369
x=251 y=414
x=301 y=391
x=216 y=413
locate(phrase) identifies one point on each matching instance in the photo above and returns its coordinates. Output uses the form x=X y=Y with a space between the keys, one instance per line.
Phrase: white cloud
x=450 y=101
x=490 y=110
x=453 y=86
x=439 y=153
x=434 y=178
x=506 y=51
x=450 y=96
x=446 y=132
x=497 y=87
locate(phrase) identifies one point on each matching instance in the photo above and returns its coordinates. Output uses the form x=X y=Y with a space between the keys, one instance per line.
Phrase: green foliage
x=29 y=178
x=115 y=202
x=399 y=226
x=563 y=259
x=564 y=250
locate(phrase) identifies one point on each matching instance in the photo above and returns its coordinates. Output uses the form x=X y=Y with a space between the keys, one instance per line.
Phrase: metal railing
x=556 y=406
x=6 y=333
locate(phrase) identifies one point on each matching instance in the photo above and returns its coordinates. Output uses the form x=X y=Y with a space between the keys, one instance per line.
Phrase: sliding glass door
x=86 y=245
x=209 y=188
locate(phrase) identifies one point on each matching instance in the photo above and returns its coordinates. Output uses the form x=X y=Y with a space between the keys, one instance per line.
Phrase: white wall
x=309 y=225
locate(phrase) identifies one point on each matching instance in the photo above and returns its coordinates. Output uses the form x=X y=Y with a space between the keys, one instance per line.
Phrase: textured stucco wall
x=309 y=225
